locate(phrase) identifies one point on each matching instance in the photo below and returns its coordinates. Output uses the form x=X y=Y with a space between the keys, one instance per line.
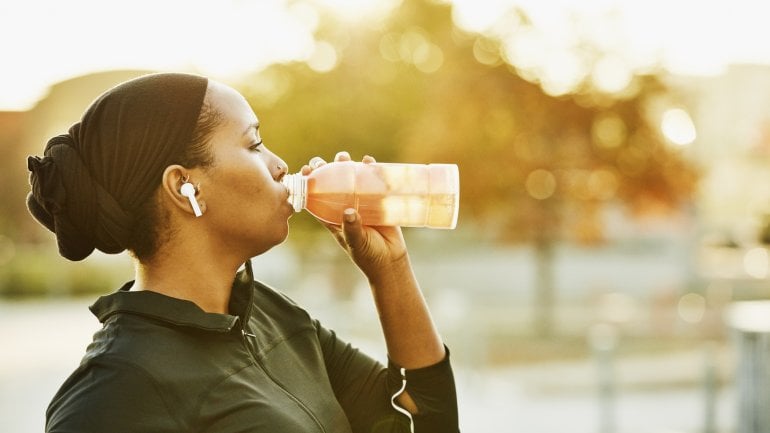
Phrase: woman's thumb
x=351 y=227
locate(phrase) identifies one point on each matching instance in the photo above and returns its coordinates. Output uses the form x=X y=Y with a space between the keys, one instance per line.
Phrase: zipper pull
x=246 y=334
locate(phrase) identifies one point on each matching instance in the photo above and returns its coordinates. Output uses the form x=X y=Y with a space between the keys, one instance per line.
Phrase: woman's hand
x=373 y=248
x=410 y=334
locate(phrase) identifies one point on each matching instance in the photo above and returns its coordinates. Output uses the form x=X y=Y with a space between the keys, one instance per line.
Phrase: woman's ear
x=181 y=191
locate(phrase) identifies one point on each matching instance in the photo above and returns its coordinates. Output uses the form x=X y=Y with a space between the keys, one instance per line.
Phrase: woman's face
x=245 y=204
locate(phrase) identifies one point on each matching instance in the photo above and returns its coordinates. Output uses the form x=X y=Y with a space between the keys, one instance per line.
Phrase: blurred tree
x=534 y=168
x=12 y=172
x=537 y=168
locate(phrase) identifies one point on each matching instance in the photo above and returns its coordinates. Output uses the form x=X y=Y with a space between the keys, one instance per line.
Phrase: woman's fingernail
x=350 y=215
x=316 y=161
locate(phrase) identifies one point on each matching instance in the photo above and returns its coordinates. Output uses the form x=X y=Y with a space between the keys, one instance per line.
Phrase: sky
x=685 y=37
x=689 y=36
x=46 y=41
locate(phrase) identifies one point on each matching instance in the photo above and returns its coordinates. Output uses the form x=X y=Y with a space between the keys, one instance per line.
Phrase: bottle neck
x=296 y=184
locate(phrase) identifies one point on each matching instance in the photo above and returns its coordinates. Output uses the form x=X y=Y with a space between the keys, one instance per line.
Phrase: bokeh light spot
x=389 y=48
x=691 y=307
x=324 y=57
x=677 y=127
x=541 y=184
x=609 y=131
x=412 y=44
x=486 y=52
x=430 y=59
x=755 y=263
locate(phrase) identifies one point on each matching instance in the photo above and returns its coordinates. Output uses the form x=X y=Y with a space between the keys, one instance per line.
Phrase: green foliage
x=40 y=271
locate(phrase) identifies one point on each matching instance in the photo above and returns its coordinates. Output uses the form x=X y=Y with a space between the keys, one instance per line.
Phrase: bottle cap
x=296 y=185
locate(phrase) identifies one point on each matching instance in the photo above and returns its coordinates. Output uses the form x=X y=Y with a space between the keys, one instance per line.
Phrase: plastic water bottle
x=384 y=194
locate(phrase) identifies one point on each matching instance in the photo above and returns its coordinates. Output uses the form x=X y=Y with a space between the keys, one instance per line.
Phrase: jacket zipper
x=277 y=383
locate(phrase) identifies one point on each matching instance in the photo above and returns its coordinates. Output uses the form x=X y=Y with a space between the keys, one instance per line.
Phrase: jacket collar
x=179 y=312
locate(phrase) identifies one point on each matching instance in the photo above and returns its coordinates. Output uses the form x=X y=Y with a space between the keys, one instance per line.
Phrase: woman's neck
x=194 y=277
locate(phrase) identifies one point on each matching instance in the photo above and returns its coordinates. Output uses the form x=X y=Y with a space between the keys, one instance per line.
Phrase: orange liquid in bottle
x=403 y=210
x=409 y=195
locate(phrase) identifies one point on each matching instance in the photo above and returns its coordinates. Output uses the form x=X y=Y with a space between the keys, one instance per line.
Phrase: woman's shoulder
x=271 y=299
x=106 y=393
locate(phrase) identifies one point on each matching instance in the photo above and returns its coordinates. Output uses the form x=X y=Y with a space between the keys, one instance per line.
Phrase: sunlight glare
x=525 y=49
x=611 y=74
x=682 y=37
x=357 y=11
x=677 y=126
x=478 y=16
x=50 y=41
x=562 y=72
x=219 y=40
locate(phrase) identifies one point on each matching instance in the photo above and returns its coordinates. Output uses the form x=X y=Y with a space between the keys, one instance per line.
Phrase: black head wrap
x=89 y=183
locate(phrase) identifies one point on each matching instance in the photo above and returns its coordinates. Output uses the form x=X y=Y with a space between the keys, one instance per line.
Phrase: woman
x=172 y=168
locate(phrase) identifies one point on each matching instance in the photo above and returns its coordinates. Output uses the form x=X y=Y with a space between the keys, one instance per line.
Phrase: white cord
x=399 y=408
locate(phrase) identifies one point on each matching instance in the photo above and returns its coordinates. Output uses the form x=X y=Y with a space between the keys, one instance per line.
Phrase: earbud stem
x=188 y=190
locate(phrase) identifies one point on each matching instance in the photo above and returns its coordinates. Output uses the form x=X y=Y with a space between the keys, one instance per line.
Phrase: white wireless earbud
x=188 y=190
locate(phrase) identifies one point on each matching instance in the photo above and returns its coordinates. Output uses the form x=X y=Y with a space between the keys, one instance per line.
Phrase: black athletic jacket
x=161 y=364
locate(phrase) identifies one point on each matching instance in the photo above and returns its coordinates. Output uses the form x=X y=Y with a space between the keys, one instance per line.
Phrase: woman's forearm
x=410 y=334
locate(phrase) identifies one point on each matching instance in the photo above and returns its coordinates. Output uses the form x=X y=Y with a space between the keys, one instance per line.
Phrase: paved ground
x=41 y=342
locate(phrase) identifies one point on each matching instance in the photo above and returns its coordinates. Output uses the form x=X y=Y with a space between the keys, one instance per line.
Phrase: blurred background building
x=615 y=178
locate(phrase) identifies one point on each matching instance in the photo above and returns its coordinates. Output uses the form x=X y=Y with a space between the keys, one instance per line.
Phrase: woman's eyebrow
x=251 y=126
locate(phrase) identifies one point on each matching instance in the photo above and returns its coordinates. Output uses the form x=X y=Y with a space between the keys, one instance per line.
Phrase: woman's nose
x=281 y=170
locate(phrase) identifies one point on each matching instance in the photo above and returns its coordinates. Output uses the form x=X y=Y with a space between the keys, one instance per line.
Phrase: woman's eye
x=255 y=147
